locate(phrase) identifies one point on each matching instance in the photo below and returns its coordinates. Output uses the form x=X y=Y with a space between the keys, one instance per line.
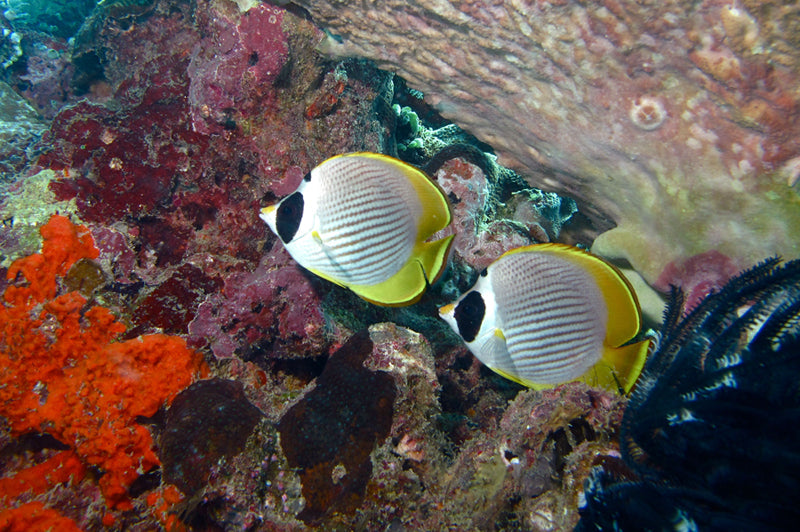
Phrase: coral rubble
x=679 y=124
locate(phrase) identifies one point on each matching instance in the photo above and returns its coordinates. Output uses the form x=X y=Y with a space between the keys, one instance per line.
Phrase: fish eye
x=287 y=219
x=307 y=177
x=469 y=315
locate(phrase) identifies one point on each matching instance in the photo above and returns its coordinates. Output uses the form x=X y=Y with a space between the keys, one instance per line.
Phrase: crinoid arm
x=710 y=433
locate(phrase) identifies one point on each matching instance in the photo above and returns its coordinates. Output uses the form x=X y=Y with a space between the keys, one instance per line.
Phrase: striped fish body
x=363 y=221
x=549 y=314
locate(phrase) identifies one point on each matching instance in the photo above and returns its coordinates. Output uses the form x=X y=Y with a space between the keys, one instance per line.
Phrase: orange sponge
x=61 y=372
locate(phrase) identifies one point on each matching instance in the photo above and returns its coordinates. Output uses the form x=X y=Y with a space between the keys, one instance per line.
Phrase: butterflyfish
x=365 y=221
x=547 y=314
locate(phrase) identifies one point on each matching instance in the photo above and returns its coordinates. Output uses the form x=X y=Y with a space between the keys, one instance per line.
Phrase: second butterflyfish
x=547 y=314
x=365 y=221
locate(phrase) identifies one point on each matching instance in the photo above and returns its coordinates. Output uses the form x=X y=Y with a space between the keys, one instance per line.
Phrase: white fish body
x=363 y=221
x=548 y=314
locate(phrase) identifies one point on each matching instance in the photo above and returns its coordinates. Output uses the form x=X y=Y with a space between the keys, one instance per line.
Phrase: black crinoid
x=712 y=431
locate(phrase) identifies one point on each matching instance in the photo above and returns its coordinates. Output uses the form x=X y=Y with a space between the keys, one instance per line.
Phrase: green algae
x=27 y=204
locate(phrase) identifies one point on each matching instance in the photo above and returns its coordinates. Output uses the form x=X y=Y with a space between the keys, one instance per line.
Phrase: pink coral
x=697 y=276
x=477 y=241
x=274 y=310
x=241 y=56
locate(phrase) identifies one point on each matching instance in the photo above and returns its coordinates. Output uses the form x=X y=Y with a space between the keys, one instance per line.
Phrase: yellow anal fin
x=433 y=256
x=519 y=380
x=407 y=286
x=619 y=367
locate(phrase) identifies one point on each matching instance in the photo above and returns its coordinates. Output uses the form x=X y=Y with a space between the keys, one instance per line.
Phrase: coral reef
x=54 y=342
x=520 y=468
x=35 y=516
x=710 y=432
x=45 y=83
x=679 y=125
x=20 y=128
x=232 y=64
x=490 y=220
x=697 y=276
x=271 y=312
x=26 y=205
x=60 y=18
x=10 y=50
x=330 y=433
x=163 y=127
x=173 y=304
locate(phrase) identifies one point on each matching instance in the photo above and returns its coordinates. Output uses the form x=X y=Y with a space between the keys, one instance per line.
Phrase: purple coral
x=232 y=65
x=274 y=310
x=697 y=276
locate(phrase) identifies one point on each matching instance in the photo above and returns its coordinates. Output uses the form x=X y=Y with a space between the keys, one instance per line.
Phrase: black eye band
x=469 y=315
x=287 y=219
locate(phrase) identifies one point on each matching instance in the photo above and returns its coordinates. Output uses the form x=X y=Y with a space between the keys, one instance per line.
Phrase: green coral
x=59 y=18
x=27 y=205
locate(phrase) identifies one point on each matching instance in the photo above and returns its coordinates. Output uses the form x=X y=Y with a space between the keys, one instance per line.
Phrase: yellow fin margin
x=620 y=365
x=406 y=287
x=437 y=214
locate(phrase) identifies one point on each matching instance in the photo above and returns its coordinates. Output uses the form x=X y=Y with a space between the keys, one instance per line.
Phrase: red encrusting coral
x=33 y=517
x=62 y=467
x=61 y=372
x=161 y=501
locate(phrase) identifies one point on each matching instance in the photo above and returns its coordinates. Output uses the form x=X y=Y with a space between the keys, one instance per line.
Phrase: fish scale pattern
x=563 y=337
x=369 y=221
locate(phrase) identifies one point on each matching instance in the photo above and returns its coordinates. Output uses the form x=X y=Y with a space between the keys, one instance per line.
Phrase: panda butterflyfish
x=547 y=314
x=364 y=221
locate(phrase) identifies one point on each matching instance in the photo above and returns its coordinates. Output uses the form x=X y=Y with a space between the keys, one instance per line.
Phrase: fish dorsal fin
x=436 y=208
x=624 y=318
x=407 y=285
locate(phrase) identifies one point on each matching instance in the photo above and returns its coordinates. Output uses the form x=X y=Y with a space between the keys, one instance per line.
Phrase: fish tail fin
x=619 y=367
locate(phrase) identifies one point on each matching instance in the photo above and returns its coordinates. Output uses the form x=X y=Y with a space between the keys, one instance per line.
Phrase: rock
x=675 y=126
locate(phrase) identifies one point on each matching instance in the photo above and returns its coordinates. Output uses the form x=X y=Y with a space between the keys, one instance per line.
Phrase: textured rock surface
x=20 y=127
x=678 y=122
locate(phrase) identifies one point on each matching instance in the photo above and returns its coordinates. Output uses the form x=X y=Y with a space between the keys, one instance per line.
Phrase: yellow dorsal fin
x=406 y=286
